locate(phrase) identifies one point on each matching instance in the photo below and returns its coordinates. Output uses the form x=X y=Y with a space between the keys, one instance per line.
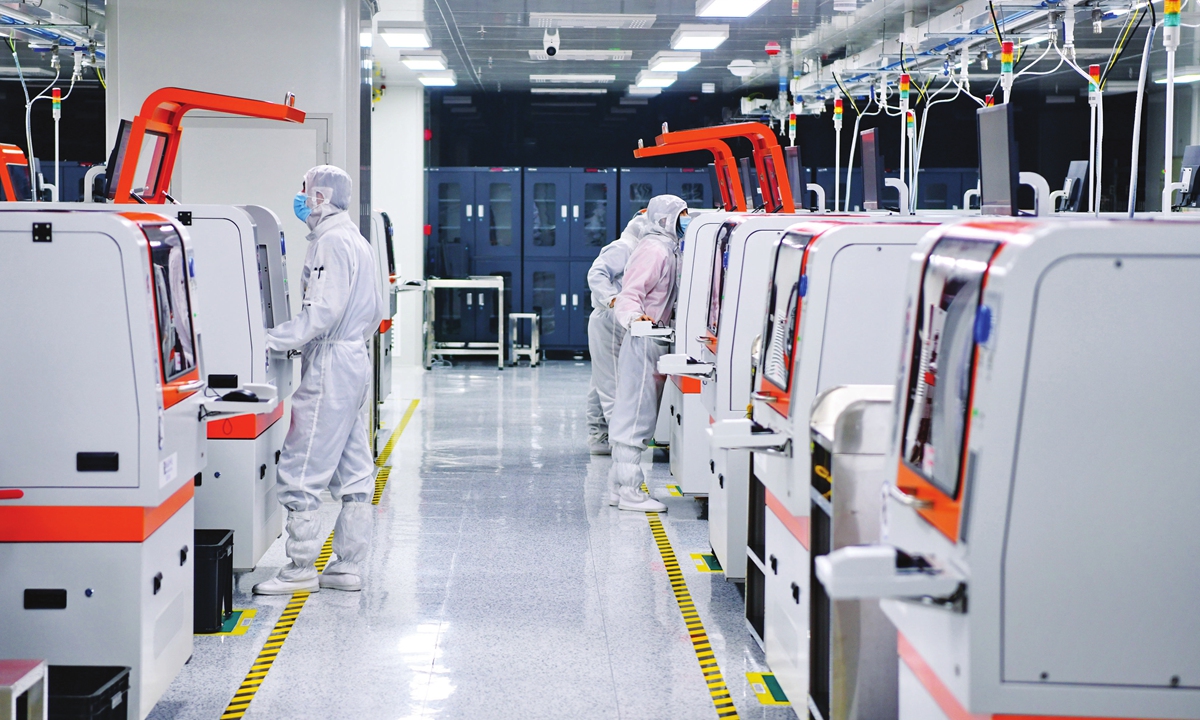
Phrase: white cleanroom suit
x=327 y=444
x=650 y=284
x=604 y=333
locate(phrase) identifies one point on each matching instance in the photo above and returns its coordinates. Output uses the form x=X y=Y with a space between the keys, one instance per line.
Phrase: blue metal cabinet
x=547 y=288
x=691 y=185
x=546 y=219
x=580 y=304
x=451 y=218
x=497 y=214
x=486 y=311
x=636 y=187
x=593 y=211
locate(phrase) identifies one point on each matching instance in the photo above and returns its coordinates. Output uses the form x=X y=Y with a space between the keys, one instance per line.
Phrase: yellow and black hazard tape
x=700 y=644
x=270 y=650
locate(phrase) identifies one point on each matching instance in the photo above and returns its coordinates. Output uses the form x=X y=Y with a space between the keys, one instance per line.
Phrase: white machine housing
x=1070 y=385
x=382 y=239
x=834 y=309
x=736 y=298
x=100 y=448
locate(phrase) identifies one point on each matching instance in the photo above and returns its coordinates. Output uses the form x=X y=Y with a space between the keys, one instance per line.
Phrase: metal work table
x=433 y=347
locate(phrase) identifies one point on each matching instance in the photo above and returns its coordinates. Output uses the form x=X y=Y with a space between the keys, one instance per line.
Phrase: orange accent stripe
x=70 y=523
x=243 y=427
x=950 y=704
x=797 y=526
x=687 y=385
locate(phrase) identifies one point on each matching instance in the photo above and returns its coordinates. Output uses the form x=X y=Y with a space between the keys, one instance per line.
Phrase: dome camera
x=550 y=43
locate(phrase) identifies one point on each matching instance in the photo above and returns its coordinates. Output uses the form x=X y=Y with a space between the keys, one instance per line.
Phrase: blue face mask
x=300 y=206
x=684 y=221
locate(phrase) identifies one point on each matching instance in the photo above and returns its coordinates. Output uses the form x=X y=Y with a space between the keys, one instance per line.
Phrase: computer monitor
x=796 y=176
x=872 y=164
x=1073 y=186
x=749 y=179
x=1189 y=195
x=998 y=171
x=112 y=172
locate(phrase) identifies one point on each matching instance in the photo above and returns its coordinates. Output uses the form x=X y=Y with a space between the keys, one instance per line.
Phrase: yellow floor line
x=700 y=644
x=270 y=650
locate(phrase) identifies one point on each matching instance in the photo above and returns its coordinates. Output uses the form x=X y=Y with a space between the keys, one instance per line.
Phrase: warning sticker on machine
x=168 y=470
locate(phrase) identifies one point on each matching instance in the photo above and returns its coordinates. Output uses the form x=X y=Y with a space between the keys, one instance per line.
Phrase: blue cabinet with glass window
x=638 y=185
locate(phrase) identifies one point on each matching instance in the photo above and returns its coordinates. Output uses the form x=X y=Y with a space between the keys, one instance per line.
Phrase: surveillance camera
x=550 y=43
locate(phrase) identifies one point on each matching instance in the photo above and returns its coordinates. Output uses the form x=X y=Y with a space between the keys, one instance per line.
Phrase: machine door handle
x=190 y=386
x=761 y=396
x=158 y=578
x=183 y=553
x=796 y=593
x=721 y=480
x=774 y=564
x=910 y=500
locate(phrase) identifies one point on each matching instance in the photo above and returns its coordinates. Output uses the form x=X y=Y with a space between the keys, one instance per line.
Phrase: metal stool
x=23 y=678
x=533 y=350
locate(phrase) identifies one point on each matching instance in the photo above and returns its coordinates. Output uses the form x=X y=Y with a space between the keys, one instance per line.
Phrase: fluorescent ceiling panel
x=567 y=91
x=699 y=37
x=571 y=78
x=728 y=8
x=610 y=21
x=424 y=61
x=636 y=91
x=647 y=79
x=439 y=79
x=416 y=39
x=667 y=61
x=590 y=55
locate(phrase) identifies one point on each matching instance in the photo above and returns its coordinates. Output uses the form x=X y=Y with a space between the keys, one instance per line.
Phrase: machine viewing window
x=783 y=310
x=171 y=301
x=500 y=227
x=449 y=212
x=22 y=185
x=940 y=375
x=116 y=160
x=389 y=234
x=595 y=214
x=545 y=222
x=150 y=163
x=720 y=266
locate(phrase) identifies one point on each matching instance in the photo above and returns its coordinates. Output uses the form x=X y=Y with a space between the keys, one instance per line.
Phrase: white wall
x=398 y=188
x=260 y=49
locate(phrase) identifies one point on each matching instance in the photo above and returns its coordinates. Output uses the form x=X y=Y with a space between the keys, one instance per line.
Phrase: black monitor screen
x=112 y=173
x=1076 y=177
x=997 y=161
x=872 y=163
x=747 y=182
x=791 y=157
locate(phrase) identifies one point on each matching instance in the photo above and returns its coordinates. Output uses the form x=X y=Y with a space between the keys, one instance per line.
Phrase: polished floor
x=500 y=585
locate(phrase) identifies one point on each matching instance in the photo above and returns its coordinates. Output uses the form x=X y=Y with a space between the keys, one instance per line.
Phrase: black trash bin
x=88 y=692
x=214 y=580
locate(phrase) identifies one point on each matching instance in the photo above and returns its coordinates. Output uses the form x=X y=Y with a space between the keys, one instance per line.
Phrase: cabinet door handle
x=575 y=211
x=468 y=299
x=774 y=564
x=564 y=212
x=470 y=207
x=562 y=299
x=480 y=212
x=575 y=300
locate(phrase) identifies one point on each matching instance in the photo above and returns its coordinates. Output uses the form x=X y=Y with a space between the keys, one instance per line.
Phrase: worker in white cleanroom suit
x=648 y=292
x=327 y=445
x=604 y=332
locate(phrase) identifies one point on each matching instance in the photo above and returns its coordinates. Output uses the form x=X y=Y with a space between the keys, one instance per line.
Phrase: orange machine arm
x=162 y=114
x=729 y=180
x=772 y=176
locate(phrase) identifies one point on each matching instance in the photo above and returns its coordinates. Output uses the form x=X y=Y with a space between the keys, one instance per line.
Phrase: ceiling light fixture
x=699 y=37
x=593 y=21
x=571 y=78
x=592 y=55
x=637 y=91
x=648 y=79
x=1182 y=78
x=567 y=91
x=728 y=8
x=404 y=34
x=668 y=61
x=741 y=68
x=439 y=79
x=432 y=60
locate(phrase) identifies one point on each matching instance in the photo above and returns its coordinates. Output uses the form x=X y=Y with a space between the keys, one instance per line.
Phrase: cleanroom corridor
x=499 y=583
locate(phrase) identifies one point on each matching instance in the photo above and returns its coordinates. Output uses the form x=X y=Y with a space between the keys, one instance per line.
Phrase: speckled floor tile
x=500 y=584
